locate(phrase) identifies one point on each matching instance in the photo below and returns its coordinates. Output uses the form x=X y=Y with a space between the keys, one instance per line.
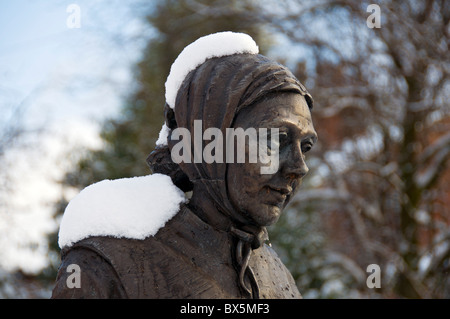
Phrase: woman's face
x=262 y=197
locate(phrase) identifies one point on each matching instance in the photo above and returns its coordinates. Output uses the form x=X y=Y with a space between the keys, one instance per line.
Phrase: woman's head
x=239 y=90
x=262 y=197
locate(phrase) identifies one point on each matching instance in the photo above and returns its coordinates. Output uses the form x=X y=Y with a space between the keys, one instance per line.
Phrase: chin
x=267 y=215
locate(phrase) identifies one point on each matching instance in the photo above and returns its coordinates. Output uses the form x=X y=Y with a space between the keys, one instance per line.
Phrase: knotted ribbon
x=248 y=241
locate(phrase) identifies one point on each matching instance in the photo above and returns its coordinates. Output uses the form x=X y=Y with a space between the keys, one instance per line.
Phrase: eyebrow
x=309 y=134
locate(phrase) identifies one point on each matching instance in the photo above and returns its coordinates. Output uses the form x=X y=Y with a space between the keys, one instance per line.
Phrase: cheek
x=247 y=194
x=244 y=184
x=246 y=178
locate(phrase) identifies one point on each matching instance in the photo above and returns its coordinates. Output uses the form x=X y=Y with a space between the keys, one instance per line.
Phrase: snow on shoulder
x=210 y=46
x=133 y=208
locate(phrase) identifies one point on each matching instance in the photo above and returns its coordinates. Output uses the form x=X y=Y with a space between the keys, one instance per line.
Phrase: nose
x=294 y=164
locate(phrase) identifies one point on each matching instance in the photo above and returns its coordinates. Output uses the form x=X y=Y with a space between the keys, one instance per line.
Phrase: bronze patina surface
x=216 y=246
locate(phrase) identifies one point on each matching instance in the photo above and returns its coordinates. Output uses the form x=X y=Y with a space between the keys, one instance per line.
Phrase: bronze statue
x=216 y=245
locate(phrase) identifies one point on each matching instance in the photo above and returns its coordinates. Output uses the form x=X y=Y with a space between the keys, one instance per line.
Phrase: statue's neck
x=204 y=207
x=209 y=211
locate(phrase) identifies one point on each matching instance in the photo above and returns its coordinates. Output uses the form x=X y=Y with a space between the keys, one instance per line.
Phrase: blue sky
x=34 y=38
x=40 y=54
x=67 y=81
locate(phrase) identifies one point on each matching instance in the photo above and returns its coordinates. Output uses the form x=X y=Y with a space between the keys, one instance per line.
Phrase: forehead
x=275 y=110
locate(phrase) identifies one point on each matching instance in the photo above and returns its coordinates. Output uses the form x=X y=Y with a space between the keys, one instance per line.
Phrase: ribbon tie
x=248 y=240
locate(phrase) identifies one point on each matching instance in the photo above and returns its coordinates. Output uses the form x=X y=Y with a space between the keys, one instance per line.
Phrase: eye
x=281 y=139
x=284 y=138
x=306 y=146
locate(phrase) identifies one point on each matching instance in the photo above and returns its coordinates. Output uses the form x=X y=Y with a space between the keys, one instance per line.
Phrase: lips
x=281 y=190
x=277 y=195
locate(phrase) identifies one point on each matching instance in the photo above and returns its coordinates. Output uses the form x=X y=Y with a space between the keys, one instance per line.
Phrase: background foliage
x=378 y=190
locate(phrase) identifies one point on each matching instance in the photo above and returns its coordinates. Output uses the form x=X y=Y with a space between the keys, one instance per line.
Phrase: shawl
x=214 y=93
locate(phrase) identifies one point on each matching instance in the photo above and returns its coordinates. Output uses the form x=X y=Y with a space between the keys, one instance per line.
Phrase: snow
x=424 y=263
x=163 y=135
x=133 y=208
x=210 y=46
x=207 y=47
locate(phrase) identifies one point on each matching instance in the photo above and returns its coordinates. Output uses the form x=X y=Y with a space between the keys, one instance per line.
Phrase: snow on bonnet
x=163 y=135
x=129 y=207
x=210 y=46
x=207 y=47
